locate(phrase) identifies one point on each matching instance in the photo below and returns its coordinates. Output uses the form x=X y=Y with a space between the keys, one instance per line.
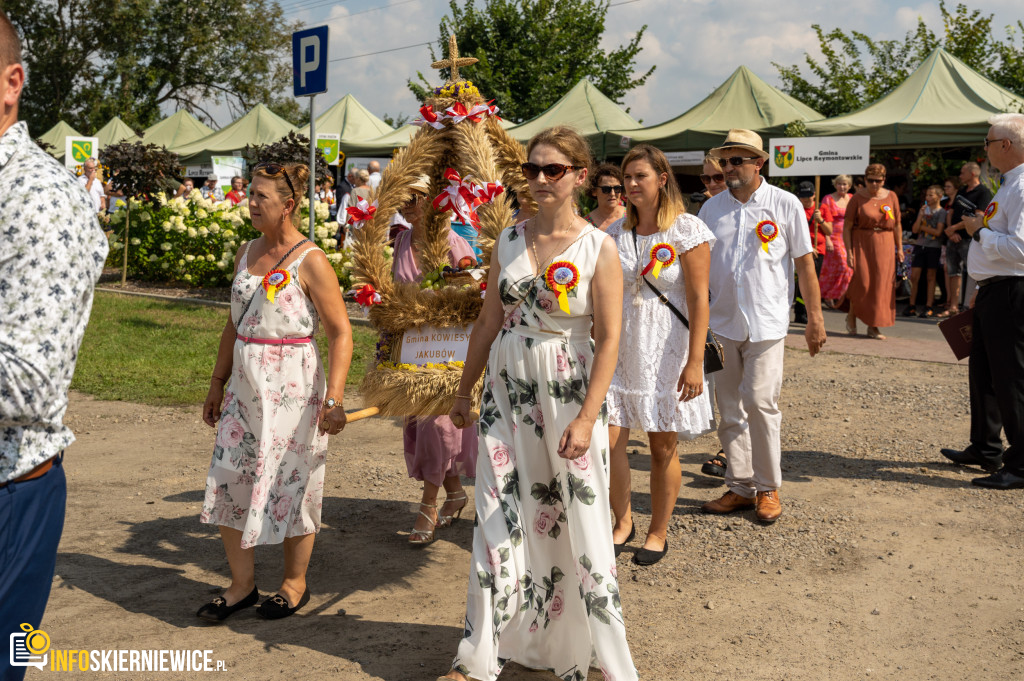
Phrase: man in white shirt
x=374 y=169
x=762 y=234
x=211 y=190
x=996 y=365
x=93 y=185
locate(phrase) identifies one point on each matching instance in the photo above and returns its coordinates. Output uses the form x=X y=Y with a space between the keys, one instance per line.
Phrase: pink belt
x=273 y=341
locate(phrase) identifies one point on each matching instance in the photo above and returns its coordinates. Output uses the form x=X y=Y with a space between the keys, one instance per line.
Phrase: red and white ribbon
x=430 y=118
x=456 y=113
x=463 y=196
x=366 y=296
x=362 y=212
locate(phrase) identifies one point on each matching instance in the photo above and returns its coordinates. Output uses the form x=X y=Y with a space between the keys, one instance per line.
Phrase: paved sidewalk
x=911 y=338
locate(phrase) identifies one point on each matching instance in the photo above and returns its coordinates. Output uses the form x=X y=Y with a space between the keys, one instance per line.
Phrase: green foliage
x=532 y=51
x=194 y=240
x=857 y=69
x=88 y=60
x=396 y=121
x=140 y=169
x=292 y=148
x=795 y=128
x=161 y=353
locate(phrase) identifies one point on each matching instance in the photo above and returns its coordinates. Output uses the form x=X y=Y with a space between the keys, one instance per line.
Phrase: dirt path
x=885 y=564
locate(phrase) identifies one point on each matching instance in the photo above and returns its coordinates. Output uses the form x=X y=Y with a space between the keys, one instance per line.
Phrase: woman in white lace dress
x=659 y=384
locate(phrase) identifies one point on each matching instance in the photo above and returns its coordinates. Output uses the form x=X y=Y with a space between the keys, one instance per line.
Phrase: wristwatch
x=330 y=403
x=977 y=235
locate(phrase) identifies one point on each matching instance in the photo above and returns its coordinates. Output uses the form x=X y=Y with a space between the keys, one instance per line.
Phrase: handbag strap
x=257 y=290
x=661 y=296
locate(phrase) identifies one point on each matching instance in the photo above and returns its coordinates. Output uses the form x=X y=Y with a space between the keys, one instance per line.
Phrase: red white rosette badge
x=274 y=281
x=767 y=232
x=662 y=255
x=990 y=211
x=562 y=277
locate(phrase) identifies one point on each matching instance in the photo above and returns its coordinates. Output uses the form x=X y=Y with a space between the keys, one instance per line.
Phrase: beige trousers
x=748 y=390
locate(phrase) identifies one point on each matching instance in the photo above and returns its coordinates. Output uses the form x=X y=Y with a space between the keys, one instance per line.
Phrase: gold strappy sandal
x=446 y=520
x=424 y=537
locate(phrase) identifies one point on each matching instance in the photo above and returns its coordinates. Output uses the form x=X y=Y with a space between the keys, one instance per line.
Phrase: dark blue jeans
x=31 y=522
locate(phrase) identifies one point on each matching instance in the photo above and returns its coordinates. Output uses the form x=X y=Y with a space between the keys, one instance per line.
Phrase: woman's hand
x=849 y=259
x=829 y=246
x=691 y=381
x=460 y=414
x=332 y=420
x=576 y=439
x=900 y=255
x=212 y=405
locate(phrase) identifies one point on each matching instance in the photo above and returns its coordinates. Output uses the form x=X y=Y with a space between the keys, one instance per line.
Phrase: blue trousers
x=31 y=522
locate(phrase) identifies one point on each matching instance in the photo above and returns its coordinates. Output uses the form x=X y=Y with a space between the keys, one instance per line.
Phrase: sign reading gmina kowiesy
x=789 y=156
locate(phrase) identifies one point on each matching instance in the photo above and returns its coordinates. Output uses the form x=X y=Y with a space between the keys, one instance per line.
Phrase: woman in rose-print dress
x=266 y=479
x=542 y=582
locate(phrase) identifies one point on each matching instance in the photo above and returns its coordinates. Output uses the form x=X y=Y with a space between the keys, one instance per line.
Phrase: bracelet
x=464 y=397
x=215 y=376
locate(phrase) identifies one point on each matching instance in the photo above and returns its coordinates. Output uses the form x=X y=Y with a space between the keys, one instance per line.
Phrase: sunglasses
x=736 y=160
x=874 y=180
x=552 y=171
x=708 y=179
x=608 y=189
x=273 y=169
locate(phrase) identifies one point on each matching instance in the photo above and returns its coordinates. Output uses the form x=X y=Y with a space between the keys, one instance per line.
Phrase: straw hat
x=421 y=184
x=740 y=140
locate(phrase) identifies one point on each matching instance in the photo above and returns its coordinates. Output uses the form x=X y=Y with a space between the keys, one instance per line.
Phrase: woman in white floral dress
x=659 y=384
x=542 y=583
x=266 y=479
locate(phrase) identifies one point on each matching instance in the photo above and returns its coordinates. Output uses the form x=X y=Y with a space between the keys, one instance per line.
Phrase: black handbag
x=714 y=353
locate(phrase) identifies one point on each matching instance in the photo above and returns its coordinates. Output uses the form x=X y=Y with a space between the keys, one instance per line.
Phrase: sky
x=696 y=44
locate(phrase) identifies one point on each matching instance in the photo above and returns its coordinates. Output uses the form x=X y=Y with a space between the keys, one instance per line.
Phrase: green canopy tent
x=115 y=131
x=177 y=130
x=259 y=126
x=351 y=120
x=380 y=147
x=942 y=103
x=585 y=108
x=742 y=101
x=55 y=138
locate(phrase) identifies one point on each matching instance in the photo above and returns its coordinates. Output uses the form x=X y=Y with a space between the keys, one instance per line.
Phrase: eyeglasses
x=874 y=180
x=708 y=179
x=988 y=141
x=736 y=160
x=273 y=169
x=552 y=171
x=608 y=189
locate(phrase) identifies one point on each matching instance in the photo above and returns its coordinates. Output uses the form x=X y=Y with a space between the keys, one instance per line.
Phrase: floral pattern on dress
x=266 y=475
x=542 y=586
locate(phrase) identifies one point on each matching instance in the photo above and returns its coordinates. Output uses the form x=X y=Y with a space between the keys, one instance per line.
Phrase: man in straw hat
x=762 y=235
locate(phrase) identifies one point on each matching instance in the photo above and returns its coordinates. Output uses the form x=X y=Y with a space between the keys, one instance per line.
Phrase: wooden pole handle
x=360 y=414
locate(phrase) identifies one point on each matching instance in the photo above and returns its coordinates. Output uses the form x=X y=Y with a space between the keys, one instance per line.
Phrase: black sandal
x=218 y=609
x=716 y=465
x=632 y=535
x=276 y=607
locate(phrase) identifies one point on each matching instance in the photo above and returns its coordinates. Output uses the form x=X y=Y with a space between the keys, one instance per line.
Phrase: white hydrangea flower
x=165 y=246
x=203 y=231
x=166 y=225
x=322 y=210
x=152 y=258
x=190 y=258
x=136 y=241
x=164 y=266
x=192 y=233
x=145 y=216
x=209 y=257
x=201 y=214
x=181 y=263
x=188 y=277
x=228 y=233
x=215 y=228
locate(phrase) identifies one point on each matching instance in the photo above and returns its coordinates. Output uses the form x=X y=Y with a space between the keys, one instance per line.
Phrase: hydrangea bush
x=193 y=240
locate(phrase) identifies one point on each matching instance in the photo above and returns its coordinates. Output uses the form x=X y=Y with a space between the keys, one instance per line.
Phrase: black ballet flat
x=276 y=607
x=648 y=557
x=632 y=535
x=218 y=609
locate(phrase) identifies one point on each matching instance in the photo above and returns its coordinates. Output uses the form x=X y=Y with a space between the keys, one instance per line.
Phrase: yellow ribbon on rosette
x=767 y=232
x=274 y=281
x=562 y=277
x=887 y=209
x=662 y=255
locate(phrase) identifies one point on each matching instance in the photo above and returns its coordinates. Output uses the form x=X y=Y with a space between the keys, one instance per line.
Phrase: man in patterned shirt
x=51 y=253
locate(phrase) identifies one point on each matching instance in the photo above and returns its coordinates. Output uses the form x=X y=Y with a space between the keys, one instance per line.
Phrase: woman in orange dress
x=873 y=243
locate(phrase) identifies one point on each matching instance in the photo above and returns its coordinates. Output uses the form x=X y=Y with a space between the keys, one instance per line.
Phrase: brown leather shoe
x=768 y=506
x=727 y=503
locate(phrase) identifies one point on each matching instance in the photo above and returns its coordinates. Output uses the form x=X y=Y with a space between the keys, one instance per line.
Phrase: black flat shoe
x=1001 y=479
x=631 y=537
x=218 y=609
x=968 y=457
x=648 y=557
x=276 y=607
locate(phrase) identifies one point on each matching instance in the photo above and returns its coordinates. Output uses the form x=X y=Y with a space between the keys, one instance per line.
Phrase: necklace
x=557 y=250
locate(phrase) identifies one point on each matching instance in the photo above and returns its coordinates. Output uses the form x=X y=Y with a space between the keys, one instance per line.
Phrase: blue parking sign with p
x=309 y=61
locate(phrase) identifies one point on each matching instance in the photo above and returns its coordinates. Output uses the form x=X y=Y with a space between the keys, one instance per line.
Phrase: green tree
x=857 y=69
x=88 y=60
x=532 y=51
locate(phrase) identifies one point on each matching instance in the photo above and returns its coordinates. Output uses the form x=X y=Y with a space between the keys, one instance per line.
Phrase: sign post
x=309 y=78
